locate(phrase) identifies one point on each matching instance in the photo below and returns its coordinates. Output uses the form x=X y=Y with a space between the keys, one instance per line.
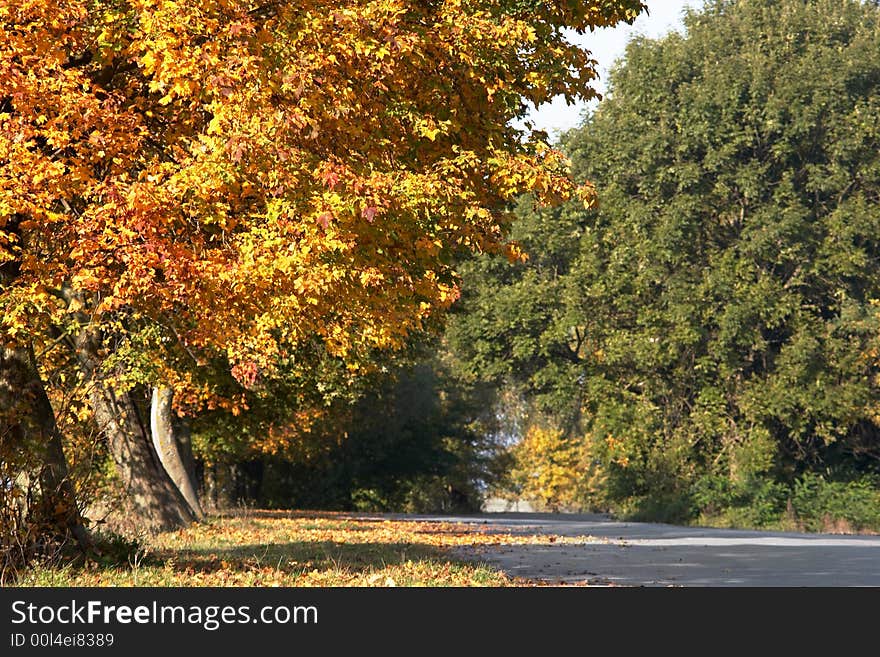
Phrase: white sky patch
x=607 y=45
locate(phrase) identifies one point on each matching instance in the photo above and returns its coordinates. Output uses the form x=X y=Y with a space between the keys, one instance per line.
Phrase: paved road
x=643 y=554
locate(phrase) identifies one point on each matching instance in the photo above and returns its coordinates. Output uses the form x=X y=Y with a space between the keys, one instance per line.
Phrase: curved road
x=644 y=554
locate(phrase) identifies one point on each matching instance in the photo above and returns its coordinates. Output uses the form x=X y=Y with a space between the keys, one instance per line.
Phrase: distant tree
x=405 y=437
x=715 y=320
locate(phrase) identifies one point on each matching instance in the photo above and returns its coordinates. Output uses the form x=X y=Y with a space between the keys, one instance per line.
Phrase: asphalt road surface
x=644 y=554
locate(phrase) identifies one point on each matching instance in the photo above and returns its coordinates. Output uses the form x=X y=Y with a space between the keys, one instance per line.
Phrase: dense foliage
x=408 y=436
x=712 y=329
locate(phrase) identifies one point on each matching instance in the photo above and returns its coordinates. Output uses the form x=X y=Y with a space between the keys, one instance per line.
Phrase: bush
x=753 y=502
x=28 y=530
x=836 y=506
x=18 y=531
x=812 y=503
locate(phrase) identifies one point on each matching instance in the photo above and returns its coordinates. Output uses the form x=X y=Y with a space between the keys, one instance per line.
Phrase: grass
x=269 y=548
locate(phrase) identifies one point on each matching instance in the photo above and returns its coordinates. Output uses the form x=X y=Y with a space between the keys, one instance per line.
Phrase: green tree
x=713 y=325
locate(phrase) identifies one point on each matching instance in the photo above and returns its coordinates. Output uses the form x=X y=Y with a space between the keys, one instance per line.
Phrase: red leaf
x=369 y=213
x=324 y=220
x=330 y=178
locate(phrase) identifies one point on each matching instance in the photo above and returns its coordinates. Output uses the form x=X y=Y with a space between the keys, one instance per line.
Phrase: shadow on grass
x=287 y=548
x=295 y=558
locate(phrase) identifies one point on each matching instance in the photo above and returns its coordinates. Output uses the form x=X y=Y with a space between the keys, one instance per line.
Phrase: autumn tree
x=243 y=177
x=712 y=328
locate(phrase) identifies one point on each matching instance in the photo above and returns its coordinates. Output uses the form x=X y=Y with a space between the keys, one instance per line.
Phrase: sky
x=607 y=45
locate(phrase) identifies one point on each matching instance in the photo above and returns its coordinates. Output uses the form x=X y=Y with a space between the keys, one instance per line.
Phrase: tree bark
x=157 y=502
x=172 y=447
x=27 y=423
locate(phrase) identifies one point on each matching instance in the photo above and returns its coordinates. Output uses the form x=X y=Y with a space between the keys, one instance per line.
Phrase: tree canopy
x=714 y=323
x=196 y=191
x=257 y=173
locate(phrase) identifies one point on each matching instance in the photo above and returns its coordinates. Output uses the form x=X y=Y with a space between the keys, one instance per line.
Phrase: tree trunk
x=220 y=486
x=27 y=422
x=184 y=444
x=172 y=447
x=157 y=502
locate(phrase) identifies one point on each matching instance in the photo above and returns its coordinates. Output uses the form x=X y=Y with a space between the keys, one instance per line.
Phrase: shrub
x=836 y=506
